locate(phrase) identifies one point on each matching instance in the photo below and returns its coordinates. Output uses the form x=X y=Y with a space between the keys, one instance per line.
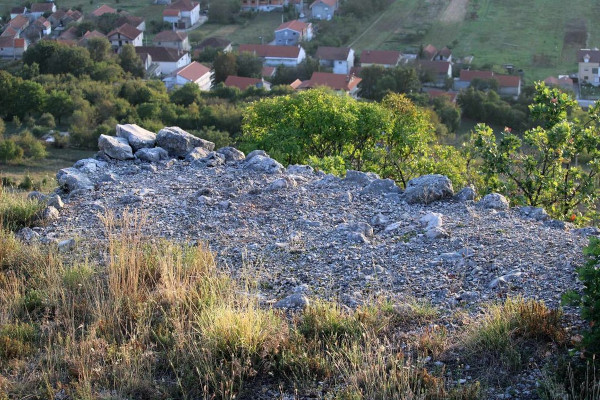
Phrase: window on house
x=595 y=71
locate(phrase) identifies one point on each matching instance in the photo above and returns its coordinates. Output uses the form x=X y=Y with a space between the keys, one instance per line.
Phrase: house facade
x=182 y=14
x=341 y=59
x=274 y=56
x=244 y=83
x=437 y=71
x=589 y=63
x=12 y=47
x=293 y=32
x=263 y=5
x=125 y=34
x=508 y=85
x=195 y=73
x=347 y=84
x=167 y=60
x=323 y=9
x=172 y=39
x=382 y=58
x=39 y=9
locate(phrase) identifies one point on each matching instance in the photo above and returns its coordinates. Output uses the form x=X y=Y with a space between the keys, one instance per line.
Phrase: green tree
x=10 y=151
x=60 y=104
x=542 y=168
x=7 y=87
x=225 y=64
x=99 y=49
x=249 y=65
x=28 y=98
x=131 y=62
x=32 y=148
x=186 y=95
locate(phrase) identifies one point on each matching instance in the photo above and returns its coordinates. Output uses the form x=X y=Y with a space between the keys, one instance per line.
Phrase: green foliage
x=225 y=64
x=249 y=65
x=223 y=11
x=130 y=62
x=542 y=168
x=10 y=151
x=488 y=107
x=2 y=128
x=32 y=147
x=377 y=81
x=330 y=164
x=17 y=212
x=47 y=120
x=186 y=95
x=219 y=138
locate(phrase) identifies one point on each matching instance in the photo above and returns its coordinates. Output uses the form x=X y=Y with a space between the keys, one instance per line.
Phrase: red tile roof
x=18 y=10
x=18 y=22
x=9 y=32
x=103 y=9
x=296 y=84
x=333 y=81
x=439 y=67
x=383 y=57
x=551 y=80
x=171 y=13
x=468 y=75
x=265 y=50
x=429 y=51
x=333 y=53
x=19 y=43
x=293 y=25
x=445 y=52
x=433 y=93
x=330 y=3
x=240 y=82
x=42 y=7
x=126 y=30
x=193 y=71
x=268 y=72
x=69 y=34
x=183 y=5
x=170 y=36
x=42 y=22
x=508 y=80
x=131 y=20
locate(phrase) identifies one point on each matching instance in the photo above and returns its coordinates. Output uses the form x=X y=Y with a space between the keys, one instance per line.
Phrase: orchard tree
x=542 y=167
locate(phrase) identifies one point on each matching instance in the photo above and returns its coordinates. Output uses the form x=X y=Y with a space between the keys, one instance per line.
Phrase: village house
x=195 y=73
x=39 y=9
x=323 y=9
x=438 y=72
x=20 y=10
x=293 y=32
x=435 y=93
x=103 y=9
x=428 y=52
x=166 y=59
x=125 y=34
x=182 y=14
x=274 y=56
x=244 y=83
x=69 y=36
x=18 y=24
x=39 y=28
x=62 y=18
x=341 y=59
x=136 y=22
x=382 y=58
x=563 y=82
x=90 y=35
x=173 y=39
x=340 y=83
x=12 y=47
x=589 y=62
x=508 y=85
x=268 y=72
x=263 y=5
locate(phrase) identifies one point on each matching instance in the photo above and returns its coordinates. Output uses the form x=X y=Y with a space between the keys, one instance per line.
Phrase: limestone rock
x=380 y=186
x=155 y=154
x=212 y=159
x=55 y=201
x=359 y=177
x=72 y=179
x=90 y=166
x=494 y=201
x=37 y=196
x=196 y=154
x=27 y=234
x=264 y=164
x=432 y=220
x=136 y=136
x=293 y=301
x=536 y=213
x=255 y=153
x=66 y=245
x=50 y=214
x=282 y=183
x=178 y=142
x=115 y=147
x=231 y=154
x=466 y=194
x=297 y=169
x=428 y=188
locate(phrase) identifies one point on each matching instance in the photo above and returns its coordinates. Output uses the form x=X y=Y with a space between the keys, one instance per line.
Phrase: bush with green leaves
x=541 y=168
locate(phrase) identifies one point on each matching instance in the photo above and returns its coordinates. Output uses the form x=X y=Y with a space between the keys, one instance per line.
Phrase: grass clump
x=18 y=212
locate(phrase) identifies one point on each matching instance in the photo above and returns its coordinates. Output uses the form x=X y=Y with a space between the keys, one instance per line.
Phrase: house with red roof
x=39 y=9
x=382 y=58
x=103 y=9
x=563 y=82
x=274 y=56
x=69 y=36
x=508 y=85
x=164 y=59
x=293 y=32
x=194 y=72
x=125 y=34
x=589 y=64
x=174 y=39
x=20 y=10
x=263 y=5
x=323 y=9
x=39 y=28
x=341 y=59
x=268 y=72
x=19 y=24
x=136 y=22
x=438 y=72
x=340 y=83
x=182 y=14
x=90 y=35
x=244 y=83
x=12 y=47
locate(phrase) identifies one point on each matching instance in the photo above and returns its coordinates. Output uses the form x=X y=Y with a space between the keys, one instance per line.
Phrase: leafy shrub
x=32 y=147
x=10 y=151
x=47 y=120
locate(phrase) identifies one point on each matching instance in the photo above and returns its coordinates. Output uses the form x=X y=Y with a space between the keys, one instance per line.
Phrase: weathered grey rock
x=212 y=159
x=178 y=142
x=468 y=297
x=427 y=189
x=359 y=177
x=494 y=201
x=327 y=181
x=66 y=245
x=466 y=194
x=90 y=166
x=71 y=179
x=149 y=167
x=436 y=233
x=587 y=231
x=37 y=196
x=55 y=201
x=357 y=237
x=131 y=199
x=282 y=183
x=136 y=136
x=50 y=214
x=297 y=169
x=380 y=186
x=263 y=164
x=27 y=235
x=115 y=147
x=196 y=154
x=379 y=220
x=106 y=178
x=224 y=204
x=393 y=227
x=231 y=154
x=155 y=154
x=536 y=213
x=255 y=153
x=507 y=278
x=556 y=224
x=359 y=227
x=432 y=220
x=293 y=301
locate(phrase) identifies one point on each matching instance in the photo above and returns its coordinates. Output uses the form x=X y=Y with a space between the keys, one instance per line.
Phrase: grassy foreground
x=149 y=319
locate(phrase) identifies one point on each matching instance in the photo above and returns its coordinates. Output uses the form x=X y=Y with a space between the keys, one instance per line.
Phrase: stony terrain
x=303 y=233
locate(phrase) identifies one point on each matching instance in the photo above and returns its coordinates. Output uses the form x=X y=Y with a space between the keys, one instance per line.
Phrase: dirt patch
x=455 y=12
x=575 y=33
